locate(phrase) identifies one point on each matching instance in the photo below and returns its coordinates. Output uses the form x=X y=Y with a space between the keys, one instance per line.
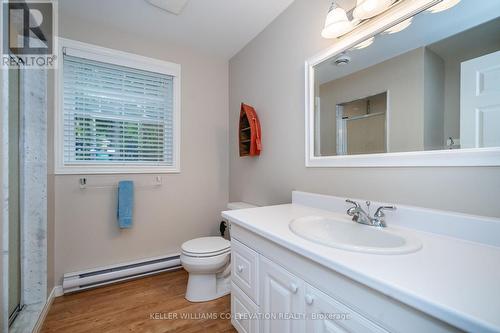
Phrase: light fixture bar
x=340 y=22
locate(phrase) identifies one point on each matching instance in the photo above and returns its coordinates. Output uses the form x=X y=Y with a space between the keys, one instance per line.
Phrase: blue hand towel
x=125 y=203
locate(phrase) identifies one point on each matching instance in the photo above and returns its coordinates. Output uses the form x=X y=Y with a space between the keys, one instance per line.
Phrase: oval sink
x=354 y=236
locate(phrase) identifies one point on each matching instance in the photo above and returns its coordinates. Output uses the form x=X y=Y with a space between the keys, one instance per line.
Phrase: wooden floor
x=143 y=305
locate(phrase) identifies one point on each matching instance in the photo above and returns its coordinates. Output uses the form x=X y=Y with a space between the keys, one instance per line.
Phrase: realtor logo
x=29 y=34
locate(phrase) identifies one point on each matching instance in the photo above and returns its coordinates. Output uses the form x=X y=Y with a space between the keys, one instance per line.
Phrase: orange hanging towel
x=249 y=132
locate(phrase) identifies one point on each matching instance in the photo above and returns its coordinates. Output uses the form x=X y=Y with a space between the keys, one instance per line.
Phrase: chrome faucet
x=360 y=216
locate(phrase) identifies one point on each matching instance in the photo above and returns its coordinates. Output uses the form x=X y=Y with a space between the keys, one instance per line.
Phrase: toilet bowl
x=207 y=260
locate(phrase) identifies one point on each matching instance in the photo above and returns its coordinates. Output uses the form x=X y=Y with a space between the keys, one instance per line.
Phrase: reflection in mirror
x=359 y=125
x=431 y=82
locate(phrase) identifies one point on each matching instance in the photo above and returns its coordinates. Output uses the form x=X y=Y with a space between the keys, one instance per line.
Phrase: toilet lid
x=206 y=245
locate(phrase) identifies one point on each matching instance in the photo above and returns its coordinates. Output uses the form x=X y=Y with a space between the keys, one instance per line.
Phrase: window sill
x=95 y=170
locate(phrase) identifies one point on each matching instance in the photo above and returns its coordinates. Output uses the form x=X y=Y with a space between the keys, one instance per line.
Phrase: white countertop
x=454 y=280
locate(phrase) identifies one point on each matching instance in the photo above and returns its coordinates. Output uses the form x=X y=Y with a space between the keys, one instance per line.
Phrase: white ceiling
x=220 y=27
x=483 y=38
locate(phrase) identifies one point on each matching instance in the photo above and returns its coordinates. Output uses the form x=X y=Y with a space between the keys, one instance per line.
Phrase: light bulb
x=399 y=27
x=366 y=9
x=443 y=5
x=336 y=24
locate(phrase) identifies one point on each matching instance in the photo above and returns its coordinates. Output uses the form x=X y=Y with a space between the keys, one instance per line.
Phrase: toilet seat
x=205 y=255
x=206 y=247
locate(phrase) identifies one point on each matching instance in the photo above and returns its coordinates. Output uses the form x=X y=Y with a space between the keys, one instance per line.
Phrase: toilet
x=207 y=260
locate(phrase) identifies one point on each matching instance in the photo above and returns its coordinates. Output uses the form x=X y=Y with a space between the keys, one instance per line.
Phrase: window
x=118 y=112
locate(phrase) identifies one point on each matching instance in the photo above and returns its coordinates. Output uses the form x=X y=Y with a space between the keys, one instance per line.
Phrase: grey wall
x=269 y=74
x=84 y=228
x=433 y=101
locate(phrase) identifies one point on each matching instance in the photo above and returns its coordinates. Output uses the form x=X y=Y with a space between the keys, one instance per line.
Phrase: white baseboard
x=56 y=292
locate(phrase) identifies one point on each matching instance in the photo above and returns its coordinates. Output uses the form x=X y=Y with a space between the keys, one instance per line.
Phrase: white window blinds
x=116 y=115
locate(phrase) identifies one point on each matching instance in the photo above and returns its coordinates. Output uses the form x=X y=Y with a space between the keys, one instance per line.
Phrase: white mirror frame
x=454 y=157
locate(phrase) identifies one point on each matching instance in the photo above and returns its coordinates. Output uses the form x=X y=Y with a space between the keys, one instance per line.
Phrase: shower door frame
x=12 y=314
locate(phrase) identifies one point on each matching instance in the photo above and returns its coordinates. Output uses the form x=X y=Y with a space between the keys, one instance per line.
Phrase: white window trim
x=103 y=54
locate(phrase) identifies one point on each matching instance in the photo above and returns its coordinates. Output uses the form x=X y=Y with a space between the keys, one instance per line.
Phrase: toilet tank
x=239 y=205
x=234 y=206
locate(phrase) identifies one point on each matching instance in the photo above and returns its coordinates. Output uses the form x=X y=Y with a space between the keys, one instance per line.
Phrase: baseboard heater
x=97 y=277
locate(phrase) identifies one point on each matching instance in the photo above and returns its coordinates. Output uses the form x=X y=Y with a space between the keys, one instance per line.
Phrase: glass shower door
x=14 y=197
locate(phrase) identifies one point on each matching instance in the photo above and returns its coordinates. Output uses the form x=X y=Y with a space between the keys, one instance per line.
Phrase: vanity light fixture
x=443 y=5
x=399 y=27
x=337 y=23
x=364 y=44
x=366 y=9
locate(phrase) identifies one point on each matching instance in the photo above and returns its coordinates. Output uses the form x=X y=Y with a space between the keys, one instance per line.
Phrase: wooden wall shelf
x=249 y=132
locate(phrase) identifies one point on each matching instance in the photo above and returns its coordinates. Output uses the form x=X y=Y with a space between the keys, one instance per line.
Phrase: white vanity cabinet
x=277 y=291
x=284 y=302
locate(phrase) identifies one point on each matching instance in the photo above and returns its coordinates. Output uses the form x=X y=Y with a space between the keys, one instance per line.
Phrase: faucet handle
x=353 y=202
x=353 y=210
x=380 y=210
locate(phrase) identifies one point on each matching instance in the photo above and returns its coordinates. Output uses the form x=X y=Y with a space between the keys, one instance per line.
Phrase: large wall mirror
x=418 y=87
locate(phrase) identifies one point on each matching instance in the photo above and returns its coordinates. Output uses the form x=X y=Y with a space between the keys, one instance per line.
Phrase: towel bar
x=83 y=184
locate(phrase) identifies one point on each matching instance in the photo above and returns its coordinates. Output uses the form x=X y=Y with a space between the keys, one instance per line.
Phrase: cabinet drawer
x=325 y=314
x=243 y=312
x=245 y=269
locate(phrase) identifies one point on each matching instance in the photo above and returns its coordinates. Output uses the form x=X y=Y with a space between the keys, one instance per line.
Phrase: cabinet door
x=327 y=315
x=282 y=299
